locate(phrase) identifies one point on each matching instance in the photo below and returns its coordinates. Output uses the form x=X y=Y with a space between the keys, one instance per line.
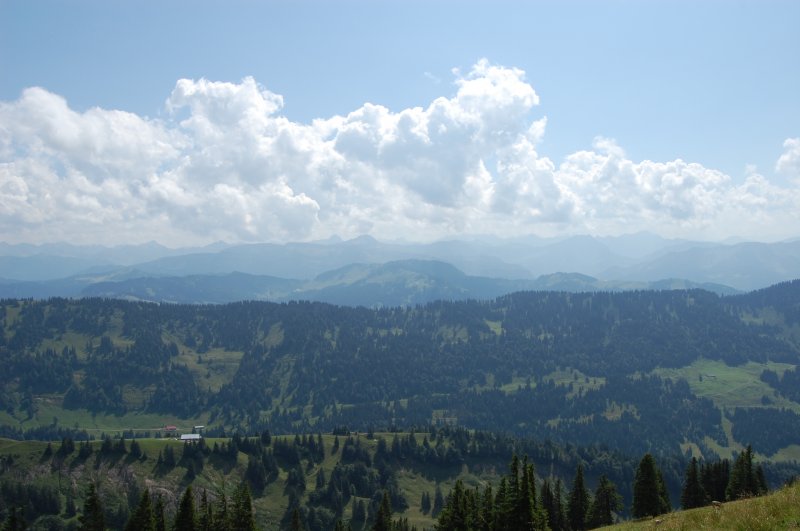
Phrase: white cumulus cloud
x=789 y=161
x=224 y=163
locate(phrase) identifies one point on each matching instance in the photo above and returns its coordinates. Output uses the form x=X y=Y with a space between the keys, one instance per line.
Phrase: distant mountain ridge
x=635 y=261
x=399 y=283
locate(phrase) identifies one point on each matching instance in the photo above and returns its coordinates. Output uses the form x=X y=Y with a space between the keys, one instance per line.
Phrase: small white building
x=192 y=437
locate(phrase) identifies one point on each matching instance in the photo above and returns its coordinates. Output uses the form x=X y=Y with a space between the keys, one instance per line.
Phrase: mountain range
x=364 y=271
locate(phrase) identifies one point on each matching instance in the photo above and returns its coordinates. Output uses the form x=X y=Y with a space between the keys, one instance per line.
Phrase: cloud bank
x=223 y=163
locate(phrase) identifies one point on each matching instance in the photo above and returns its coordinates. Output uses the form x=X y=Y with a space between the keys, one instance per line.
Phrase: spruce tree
x=548 y=503
x=438 y=501
x=487 y=510
x=221 y=515
x=297 y=523
x=242 y=511
x=158 y=514
x=142 y=518
x=92 y=518
x=383 y=520
x=649 y=491
x=715 y=478
x=745 y=479
x=425 y=503
x=578 y=503
x=205 y=520
x=502 y=506
x=184 y=519
x=693 y=494
x=605 y=503
x=561 y=517
x=663 y=493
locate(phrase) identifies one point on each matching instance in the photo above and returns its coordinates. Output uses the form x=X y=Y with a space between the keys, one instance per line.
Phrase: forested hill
x=638 y=371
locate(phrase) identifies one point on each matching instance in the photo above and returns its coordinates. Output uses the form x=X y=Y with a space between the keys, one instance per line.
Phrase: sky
x=192 y=122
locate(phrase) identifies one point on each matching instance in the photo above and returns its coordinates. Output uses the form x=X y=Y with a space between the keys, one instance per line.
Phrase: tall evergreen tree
x=693 y=494
x=92 y=518
x=578 y=502
x=205 y=517
x=663 y=493
x=185 y=519
x=528 y=513
x=158 y=514
x=438 y=501
x=649 y=490
x=745 y=479
x=487 y=510
x=297 y=522
x=502 y=506
x=548 y=504
x=425 y=503
x=383 y=520
x=221 y=515
x=605 y=503
x=715 y=478
x=142 y=518
x=242 y=511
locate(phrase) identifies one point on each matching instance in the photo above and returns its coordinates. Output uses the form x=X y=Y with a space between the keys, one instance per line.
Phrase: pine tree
x=158 y=514
x=558 y=495
x=715 y=478
x=455 y=513
x=502 y=506
x=221 y=516
x=548 y=503
x=578 y=503
x=242 y=511
x=136 y=449
x=438 y=501
x=359 y=511
x=693 y=494
x=383 y=520
x=487 y=510
x=527 y=512
x=205 y=519
x=92 y=518
x=606 y=501
x=745 y=480
x=425 y=503
x=320 y=481
x=649 y=491
x=663 y=494
x=297 y=523
x=142 y=518
x=184 y=519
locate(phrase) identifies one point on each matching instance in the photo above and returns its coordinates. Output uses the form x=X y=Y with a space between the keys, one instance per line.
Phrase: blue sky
x=713 y=83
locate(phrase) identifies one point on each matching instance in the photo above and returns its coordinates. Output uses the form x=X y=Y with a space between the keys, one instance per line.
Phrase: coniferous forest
x=336 y=412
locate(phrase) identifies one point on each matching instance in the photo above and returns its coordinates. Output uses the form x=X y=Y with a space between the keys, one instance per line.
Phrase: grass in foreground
x=779 y=510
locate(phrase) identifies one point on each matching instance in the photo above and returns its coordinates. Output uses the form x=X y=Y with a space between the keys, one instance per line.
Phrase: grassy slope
x=779 y=510
x=731 y=387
